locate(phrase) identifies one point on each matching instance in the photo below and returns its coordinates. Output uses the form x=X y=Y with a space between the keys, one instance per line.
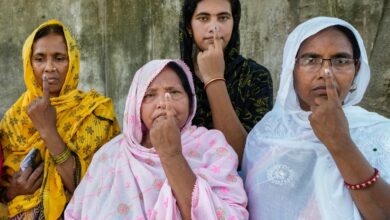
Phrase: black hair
x=184 y=81
x=50 y=29
x=352 y=39
x=189 y=7
x=232 y=49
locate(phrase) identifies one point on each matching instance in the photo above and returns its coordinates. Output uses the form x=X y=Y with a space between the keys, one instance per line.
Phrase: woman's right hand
x=165 y=132
x=211 y=62
x=41 y=112
x=327 y=119
x=25 y=182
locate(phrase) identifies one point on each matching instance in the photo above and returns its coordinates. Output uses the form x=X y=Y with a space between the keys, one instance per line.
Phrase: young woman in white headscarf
x=317 y=155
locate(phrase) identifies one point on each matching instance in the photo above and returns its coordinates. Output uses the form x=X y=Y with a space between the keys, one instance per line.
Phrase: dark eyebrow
x=337 y=55
x=150 y=90
x=55 y=54
x=171 y=88
x=224 y=13
x=202 y=14
x=342 y=55
x=38 y=54
x=310 y=54
x=60 y=54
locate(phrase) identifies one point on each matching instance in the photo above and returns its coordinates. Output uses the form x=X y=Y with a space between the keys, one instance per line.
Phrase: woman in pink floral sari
x=161 y=167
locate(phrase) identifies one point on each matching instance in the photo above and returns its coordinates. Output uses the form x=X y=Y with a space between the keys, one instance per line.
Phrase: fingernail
x=327 y=72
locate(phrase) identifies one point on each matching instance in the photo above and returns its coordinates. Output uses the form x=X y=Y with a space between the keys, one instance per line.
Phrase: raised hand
x=25 y=182
x=41 y=112
x=165 y=131
x=328 y=119
x=211 y=62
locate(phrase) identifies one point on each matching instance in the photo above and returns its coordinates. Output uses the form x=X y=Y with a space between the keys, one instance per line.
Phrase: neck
x=146 y=141
x=195 y=63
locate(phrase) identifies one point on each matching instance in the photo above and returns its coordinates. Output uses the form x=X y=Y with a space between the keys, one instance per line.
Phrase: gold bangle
x=211 y=81
x=62 y=157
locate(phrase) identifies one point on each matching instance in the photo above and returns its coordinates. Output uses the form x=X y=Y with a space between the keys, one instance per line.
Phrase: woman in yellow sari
x=66 y=126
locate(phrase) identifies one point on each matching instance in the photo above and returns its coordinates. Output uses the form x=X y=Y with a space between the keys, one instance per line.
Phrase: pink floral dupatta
x=126 y=180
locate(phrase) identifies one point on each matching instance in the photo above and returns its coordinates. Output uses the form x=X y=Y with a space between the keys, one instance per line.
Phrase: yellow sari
x=85 y=121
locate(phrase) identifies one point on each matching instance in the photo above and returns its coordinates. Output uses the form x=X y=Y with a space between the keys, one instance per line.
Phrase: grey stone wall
x=116 y=37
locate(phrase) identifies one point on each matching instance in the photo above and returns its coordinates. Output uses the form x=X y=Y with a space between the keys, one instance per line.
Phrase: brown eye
x=38 y=59
x=341 y=61
x=60 y=58
x=224 y=18
x=148 y=96
x=307 y=60
x=203 y=18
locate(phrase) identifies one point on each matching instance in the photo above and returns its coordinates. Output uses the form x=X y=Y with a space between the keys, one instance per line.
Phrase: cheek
x=197 y=37
x=64 y=71
x=183 y=109
x=300 y=91
x=297 y=82
x=344 y=86
x=228 y=30
x=146 y=115
x=301 y=85
x=198 y=30
x=38 y=74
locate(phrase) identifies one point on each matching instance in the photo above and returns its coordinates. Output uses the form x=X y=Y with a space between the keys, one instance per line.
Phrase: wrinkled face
x=50 y=56
x=154 y=101
x=208 y=15
x=329 y=43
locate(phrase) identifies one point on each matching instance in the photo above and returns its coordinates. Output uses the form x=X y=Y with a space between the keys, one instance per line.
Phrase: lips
x=209 y=40
x=159 y=115
x=320 y=91
x=52 y=80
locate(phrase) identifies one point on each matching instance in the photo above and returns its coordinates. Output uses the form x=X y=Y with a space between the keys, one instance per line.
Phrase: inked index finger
x=330 y=83
x=45 y=87
x=217 y=39
x=168 y=106
x=168 y=99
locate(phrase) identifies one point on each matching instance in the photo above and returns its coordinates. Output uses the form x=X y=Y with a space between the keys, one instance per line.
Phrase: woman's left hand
x=165 y=132
x=42 y=114
x=328 y=119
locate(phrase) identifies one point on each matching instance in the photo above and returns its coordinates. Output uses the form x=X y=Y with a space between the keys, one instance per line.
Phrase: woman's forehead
x=166 y=78
x=327 y=39
x=51 y=41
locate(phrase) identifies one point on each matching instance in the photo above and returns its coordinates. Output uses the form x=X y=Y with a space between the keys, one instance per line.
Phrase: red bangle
x=366 y=183
x=212 y=80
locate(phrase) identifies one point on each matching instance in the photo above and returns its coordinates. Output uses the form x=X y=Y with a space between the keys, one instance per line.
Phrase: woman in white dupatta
x=317 y=155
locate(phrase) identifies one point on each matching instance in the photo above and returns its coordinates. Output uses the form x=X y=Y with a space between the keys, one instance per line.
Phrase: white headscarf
x=288 y=172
